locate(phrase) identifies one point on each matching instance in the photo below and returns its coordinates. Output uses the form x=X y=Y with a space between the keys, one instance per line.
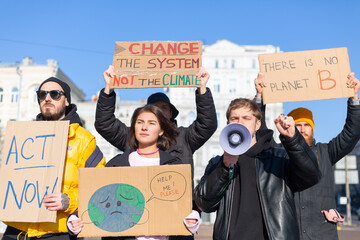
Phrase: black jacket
x=122 y=160
x=279 y=174
x=187 y=142
x=310 y=202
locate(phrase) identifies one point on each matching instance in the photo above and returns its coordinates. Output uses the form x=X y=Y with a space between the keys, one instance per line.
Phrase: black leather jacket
x=279 y=174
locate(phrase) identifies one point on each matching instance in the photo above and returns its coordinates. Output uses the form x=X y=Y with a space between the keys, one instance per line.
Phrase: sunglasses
x=54 y=94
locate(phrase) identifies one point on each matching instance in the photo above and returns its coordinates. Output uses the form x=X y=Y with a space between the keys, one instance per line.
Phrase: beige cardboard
x=163 y=193
x=32 y=166
x=305 y=75
x=152 y=64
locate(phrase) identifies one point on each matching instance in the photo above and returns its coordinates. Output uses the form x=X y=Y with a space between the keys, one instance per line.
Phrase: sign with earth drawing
x=132 y=201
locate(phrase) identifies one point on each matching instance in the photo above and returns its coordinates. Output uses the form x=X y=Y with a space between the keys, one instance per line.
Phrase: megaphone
x=235 y=139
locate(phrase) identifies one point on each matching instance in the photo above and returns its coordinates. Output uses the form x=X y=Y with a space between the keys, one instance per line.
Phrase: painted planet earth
x=116 y=207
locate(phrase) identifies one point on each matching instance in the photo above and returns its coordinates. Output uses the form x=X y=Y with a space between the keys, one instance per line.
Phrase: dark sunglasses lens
x=41 y=95
x=55 y=94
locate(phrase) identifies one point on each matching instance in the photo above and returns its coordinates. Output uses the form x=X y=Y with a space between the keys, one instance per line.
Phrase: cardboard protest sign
x=133 y=201
x=156 y=64
x=32 y=166
x=305 y=75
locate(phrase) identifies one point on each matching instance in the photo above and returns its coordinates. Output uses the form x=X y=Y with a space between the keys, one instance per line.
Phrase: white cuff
x=193 y=215
x=69 y=225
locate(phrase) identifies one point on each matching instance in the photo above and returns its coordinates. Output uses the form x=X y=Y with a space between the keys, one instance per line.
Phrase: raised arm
x=302 y=168
x=260 y=83
x=107 y=125
x=206 y=122
x=346 y=140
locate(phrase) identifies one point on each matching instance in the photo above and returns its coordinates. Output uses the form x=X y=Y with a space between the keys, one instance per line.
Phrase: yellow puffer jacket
x=81 y=144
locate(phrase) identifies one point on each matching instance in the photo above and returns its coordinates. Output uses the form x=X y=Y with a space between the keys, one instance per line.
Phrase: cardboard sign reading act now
x=305 y=75
x=156 y=64
x=32 y=166
x=133 y=201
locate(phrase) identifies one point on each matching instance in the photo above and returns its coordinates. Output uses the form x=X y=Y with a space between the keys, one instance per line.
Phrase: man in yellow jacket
x=55 y=104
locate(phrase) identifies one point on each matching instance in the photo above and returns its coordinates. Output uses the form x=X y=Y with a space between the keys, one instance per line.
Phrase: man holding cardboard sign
x=55 y=104
x=314 y=204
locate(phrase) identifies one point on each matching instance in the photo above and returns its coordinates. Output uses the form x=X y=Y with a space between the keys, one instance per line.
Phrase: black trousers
x=15 y=234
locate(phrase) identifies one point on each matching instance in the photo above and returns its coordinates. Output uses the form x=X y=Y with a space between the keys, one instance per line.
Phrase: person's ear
x=258 y=124
x=161 y=133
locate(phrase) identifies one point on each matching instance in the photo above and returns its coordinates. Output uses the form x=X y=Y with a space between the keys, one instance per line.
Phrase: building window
x=14 y=95
x=1 y=95
x=217 y=85
x=225 y=63
x=233 y=63
x=216 y=64
x=232 y=85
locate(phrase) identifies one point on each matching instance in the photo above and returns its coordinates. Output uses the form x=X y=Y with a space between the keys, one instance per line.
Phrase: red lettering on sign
x=186 y=50
x=160 y=48
x=172 y=48
x=194 y=48
x=116 y=81
x=147 y=48
x=123 y=80
x=169 y=193
x=326 y=79
x=165 y=48
x=131 y=46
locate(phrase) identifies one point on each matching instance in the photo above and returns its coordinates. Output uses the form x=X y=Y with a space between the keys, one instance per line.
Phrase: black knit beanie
x=63 y=85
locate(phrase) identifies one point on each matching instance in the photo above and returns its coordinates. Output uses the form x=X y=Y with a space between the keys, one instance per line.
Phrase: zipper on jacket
x=231 y=174
x=261 y=200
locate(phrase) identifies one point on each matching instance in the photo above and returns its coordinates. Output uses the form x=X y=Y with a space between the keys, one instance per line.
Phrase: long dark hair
x=165 y=141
